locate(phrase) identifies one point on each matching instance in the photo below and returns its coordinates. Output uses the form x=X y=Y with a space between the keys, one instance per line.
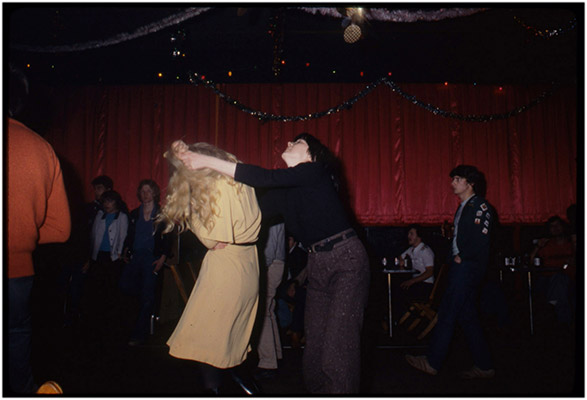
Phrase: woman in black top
x=338 y=271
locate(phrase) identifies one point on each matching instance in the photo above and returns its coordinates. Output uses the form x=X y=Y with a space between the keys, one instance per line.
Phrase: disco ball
x=352 y=33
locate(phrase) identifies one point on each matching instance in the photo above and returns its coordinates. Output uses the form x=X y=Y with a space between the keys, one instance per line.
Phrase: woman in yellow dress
x=216 y=324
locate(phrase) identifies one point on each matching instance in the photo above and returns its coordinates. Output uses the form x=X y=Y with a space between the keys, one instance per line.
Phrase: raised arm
x=197 y=161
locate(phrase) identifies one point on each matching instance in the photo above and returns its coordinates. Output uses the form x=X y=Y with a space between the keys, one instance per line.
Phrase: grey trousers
x=336 y=298
x=269 y=348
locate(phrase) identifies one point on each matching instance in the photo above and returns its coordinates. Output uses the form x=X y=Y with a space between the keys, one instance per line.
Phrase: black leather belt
x=328 y=243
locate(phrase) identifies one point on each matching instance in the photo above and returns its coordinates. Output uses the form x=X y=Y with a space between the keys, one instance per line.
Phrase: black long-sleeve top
x=304 y=195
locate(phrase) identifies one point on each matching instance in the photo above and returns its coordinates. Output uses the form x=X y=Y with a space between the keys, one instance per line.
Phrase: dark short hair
x=473 y=176
x=112 y=196
x=104 y=180
x=318 y=151
x=417 y=228
x=154 y=187
x=556 y=218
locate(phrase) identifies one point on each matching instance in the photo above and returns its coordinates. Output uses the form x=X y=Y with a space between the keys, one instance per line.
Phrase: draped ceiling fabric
x=397 y=156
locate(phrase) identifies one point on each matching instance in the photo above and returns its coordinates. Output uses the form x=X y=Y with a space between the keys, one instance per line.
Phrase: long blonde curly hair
x=192 y=194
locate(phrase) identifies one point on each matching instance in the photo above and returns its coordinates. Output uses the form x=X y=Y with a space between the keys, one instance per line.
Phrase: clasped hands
x=190 y=159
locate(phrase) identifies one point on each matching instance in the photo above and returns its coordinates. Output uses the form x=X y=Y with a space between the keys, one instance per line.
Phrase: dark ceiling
x=506 y=43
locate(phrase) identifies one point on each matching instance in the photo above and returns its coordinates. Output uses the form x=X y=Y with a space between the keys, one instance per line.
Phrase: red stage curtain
x=396 y=155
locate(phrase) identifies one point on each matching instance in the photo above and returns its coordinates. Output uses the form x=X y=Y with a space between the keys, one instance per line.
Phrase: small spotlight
x=283 y=62
x=229 y=73
x=28 y=65
x=361 y=73
x=354 y=12
x=160 y=75
x=307 y=64
x=389 y=73
x=445 y=83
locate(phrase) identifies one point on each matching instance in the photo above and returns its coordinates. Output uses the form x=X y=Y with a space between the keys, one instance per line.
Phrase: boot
x=248 y=385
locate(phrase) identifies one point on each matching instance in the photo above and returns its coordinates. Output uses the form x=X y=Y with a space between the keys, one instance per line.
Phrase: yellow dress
x=216 y=325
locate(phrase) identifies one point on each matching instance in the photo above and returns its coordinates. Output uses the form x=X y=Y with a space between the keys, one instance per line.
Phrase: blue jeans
x=139 y=280
x=458 y=306
x=19 y=335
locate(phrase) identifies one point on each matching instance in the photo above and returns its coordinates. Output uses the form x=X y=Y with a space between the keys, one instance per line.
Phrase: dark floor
x=95 y=361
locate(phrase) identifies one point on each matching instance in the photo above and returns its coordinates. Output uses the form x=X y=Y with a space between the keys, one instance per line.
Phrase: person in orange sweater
x=38 y=212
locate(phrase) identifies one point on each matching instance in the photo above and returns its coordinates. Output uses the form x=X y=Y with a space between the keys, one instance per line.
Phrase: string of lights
x=548 y=33
x=196 y=79
x=276 y=30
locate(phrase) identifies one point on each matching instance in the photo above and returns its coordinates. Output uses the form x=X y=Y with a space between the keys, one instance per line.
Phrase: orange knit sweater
x=38 y=211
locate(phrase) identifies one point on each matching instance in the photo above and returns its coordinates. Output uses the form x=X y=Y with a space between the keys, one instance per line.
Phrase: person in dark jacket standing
x=306 y=195
x=470 y=256
x=148 y=250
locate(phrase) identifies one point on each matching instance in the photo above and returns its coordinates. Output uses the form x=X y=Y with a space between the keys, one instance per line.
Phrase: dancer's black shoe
x=247 y=385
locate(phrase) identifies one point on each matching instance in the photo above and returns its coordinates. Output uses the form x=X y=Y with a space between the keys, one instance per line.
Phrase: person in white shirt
x=422 y=260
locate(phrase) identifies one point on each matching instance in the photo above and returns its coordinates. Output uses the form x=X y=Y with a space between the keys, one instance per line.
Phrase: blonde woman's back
x=216 y=325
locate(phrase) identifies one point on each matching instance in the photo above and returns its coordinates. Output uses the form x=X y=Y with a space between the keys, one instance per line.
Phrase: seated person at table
x=556 y=251
x=422 y=257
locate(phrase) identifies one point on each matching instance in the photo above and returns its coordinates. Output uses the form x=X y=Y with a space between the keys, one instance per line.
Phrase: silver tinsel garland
x=381 y=14
x=119 y=38
x=378 y=14
x=196 y=79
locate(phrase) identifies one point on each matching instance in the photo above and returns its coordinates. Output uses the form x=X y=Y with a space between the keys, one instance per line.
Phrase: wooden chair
x=426 y=309
x=180 y=283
